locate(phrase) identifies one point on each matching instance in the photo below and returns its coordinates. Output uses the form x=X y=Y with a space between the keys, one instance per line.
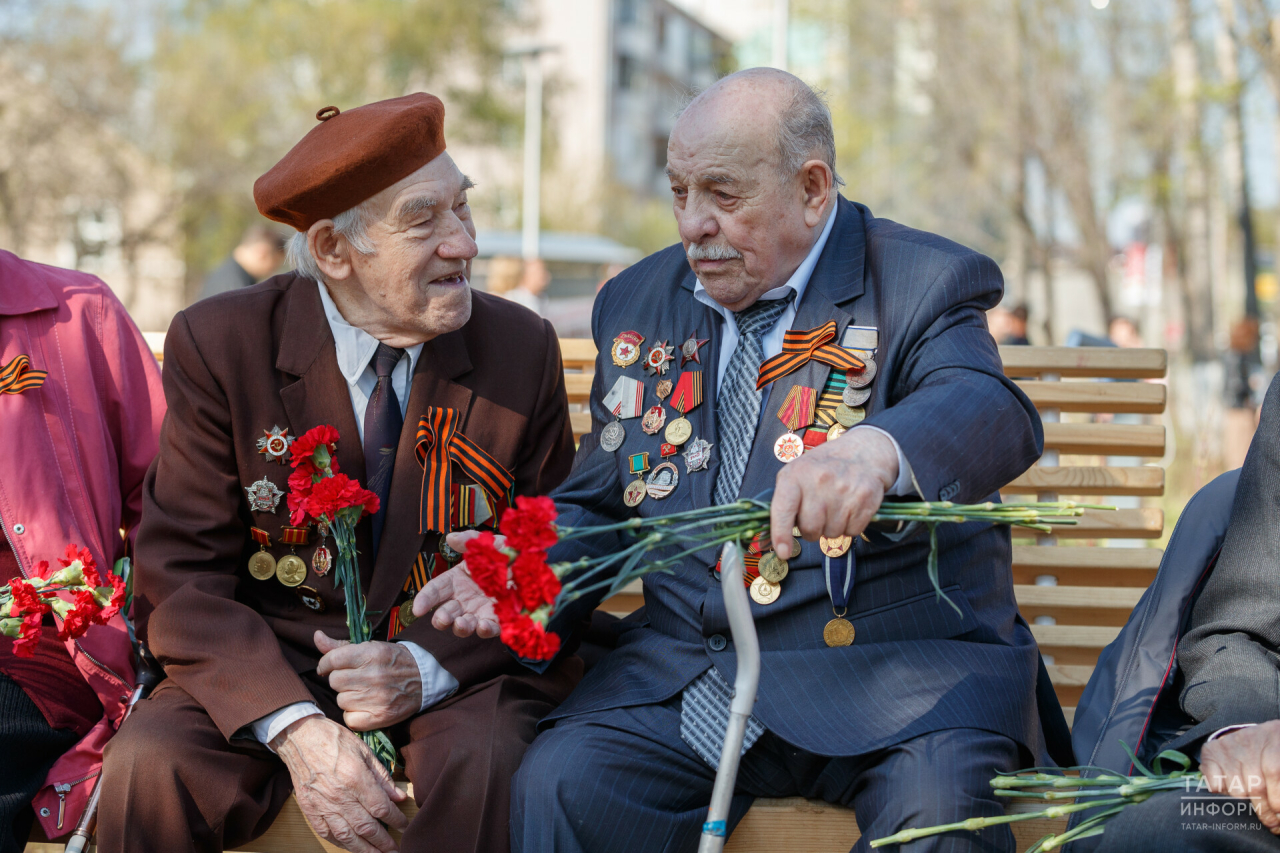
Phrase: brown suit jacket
x=243 y=362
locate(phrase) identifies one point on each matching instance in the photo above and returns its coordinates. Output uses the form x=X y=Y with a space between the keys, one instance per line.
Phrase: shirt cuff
x=266 y=728
x=437 y=683
x=903 y=485
x=1226 y=730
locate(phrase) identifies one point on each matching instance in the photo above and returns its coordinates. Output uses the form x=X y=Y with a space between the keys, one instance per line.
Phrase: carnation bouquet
x=74 y=591
x=320 y=493
x=528 y=590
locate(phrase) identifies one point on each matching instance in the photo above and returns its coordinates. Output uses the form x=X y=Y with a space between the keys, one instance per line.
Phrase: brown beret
x=350 y=157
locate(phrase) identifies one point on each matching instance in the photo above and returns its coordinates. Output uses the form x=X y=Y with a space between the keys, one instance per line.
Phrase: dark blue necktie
x=382 y=424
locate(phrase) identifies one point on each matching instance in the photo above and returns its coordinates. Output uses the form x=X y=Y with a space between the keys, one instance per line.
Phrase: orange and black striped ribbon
x=441 y=443
x=750 y=568
x=18 y=376
x=799 y=347
x=422 y=571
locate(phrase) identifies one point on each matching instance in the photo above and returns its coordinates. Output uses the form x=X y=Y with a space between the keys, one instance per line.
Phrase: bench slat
x=1074 y=636
x=578 y=386
x=1143 y=398
x=580 y=422
x=1053 y=557
x=1116 y=598
x=1144 y=480
x=1105 y=439
x=1140 y=523
x=1100 y=362
x=1069 y=675
x=578 y=352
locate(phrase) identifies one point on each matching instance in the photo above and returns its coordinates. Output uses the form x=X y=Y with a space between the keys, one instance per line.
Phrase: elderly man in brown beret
x=375 y=330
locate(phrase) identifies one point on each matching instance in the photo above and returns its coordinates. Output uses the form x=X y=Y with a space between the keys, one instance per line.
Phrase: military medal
x=668 y=450
x=865 y=338
x=291 y=570
x=662 y=481
x=274 y=444
x=865 y=378
x=847 y=417
x=689 y=349
x=662 y=389
x=322 y=559
x=763 y=592
x=773 y=568
x=658 y=361
x=796 y=413
x=624 y=400
x=855 y=396
x=310 y=597
x=406 y=613
x=261 y=565
x=839 y=576
x=835 y=431
x=263 y=496
x=686 y=397
x=697 y=454
x=653 y=420
x=637 y=463
x=835 y=546
x=814 y=438
x=626 y=348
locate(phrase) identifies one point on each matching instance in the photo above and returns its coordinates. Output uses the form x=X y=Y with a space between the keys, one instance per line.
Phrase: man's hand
x=1246 y=764
x=378 y=684
x=341 y=788
x=834 y=489
x=458 y=601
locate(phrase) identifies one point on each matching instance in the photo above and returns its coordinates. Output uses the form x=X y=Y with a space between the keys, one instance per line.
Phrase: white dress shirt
x=354 y=348
x=772 y=340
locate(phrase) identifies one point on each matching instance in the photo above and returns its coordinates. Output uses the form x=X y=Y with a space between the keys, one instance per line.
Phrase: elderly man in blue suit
x=873 y=693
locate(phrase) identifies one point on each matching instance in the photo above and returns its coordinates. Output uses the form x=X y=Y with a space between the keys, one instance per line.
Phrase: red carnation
x=29 y=636
x=304 y=448
x=88 y=566
x=530 y=640
x=536 y=584
x=81 y=616
x=488 y=566
x=531 y=525
x=334 y=494
x=103 y=614
x=26 y=600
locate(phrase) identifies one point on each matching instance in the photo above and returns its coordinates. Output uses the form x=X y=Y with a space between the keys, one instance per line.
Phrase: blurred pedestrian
x=609 y=273
x=531 y=290
x=1008 y=327
x=503 y=275
x=1124 y=333
x=259 y=254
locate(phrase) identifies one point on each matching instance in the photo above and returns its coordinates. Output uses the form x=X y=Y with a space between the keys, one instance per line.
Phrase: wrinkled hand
x=343 y=791
x=378 y=684
x=457 y=599
x=832 y=490
x=1246 y=764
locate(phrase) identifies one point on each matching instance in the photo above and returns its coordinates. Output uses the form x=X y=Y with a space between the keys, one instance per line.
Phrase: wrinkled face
x=741 y=221
x=415 y=284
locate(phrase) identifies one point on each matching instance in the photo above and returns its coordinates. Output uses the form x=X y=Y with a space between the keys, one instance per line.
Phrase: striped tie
x=704 y=709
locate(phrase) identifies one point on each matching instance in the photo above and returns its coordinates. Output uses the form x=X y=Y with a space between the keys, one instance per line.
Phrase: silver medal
x=855 y=396
x=611 y=436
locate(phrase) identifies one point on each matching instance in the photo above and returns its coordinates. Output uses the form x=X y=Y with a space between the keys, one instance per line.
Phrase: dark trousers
x=28 y=748
x=175 y=784
x=624 y=779
x=1191 y=822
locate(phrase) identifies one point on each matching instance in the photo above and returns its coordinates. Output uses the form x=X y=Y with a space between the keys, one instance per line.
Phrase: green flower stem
x=976 y=823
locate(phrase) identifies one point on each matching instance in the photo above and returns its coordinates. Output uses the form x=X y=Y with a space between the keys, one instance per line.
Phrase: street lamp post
x=532 y=201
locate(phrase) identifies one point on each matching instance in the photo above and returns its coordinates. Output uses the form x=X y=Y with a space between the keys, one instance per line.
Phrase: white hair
x=351 y=224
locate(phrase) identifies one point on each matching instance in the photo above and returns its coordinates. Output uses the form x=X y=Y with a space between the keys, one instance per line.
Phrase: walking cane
x=147 y=678
x=747 y=645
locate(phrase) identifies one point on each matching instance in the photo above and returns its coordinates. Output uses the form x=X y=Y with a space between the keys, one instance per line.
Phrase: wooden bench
x=1075 y=590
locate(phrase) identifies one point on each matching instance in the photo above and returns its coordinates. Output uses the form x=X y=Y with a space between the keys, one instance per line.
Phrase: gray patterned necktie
x=704 y=708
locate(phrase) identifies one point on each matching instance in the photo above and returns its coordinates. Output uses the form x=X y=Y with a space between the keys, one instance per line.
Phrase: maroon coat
x=244 y=362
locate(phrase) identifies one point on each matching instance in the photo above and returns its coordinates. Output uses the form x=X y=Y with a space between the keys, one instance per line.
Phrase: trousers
x=29 y=746
x=624 y=779
x=1190 y=822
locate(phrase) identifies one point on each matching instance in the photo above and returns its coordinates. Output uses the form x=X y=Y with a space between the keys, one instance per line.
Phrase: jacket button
x=717 y=642
x=19 y=529
x=44 y=813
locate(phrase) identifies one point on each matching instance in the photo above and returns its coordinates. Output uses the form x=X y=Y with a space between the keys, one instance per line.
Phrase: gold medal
x=788 y=447
x=406 y=613
x=679 y=431
x=838 y=632
x=291 y=571
x=763 y=592
x=635 y=493
x=262 y=565
x=847 y=416
x=773 y=568
x=835 y=547
x=835 y=432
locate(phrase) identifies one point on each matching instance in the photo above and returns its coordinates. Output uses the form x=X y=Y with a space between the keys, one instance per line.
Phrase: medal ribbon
x=260 y=536
x=422 y=571
x=688 y=393
x=293 y=535
x=799 y=347
x=830 y=398
x=626 y=398
x=440 y=443
x=18 y=376
x=839 y=572
x=797 y=408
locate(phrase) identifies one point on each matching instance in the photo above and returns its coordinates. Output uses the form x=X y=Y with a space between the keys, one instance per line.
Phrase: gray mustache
x=713 y=252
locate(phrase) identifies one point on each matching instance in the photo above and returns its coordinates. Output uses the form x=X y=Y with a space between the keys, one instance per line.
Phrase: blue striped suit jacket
x=966 y=430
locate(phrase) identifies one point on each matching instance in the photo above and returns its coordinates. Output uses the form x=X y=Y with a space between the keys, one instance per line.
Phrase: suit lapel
x=837 y=280
x=443 y=359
